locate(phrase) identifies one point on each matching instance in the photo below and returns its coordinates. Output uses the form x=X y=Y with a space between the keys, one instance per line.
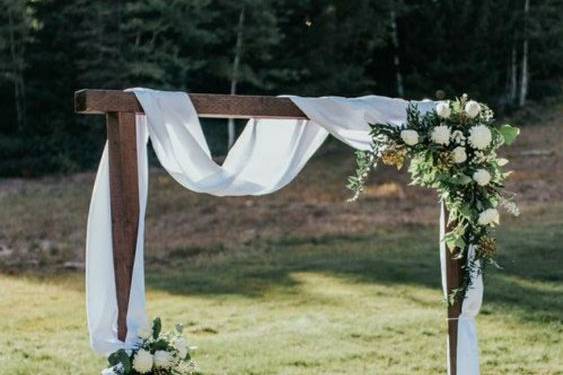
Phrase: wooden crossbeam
x=120 y=107
x=207 y=105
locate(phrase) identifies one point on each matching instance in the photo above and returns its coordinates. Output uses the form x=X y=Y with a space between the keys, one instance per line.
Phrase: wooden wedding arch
x=120 y=109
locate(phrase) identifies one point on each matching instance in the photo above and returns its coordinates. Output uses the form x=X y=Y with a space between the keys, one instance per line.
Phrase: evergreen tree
x=15 y=27
x=329 y=45
x=168 y=43
x=502 y=52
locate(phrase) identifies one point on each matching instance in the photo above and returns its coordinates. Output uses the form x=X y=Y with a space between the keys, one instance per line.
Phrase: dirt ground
x=43 y=221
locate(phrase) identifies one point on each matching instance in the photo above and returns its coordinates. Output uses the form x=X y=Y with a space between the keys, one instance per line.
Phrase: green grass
x=331 y=305
x=297 y=282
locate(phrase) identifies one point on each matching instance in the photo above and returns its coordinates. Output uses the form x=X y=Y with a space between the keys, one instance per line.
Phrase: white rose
x=162 y=359
x=489 y=216
x=459 y=154
x=482 y=177
x=143 y=361
x=182 y=346
x=410 y=137
x=472 y=109
x=480 y=137
x=443 y=109
x=441 y=135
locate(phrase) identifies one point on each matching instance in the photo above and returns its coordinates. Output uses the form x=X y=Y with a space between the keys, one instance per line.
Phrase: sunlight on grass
x=334 y=305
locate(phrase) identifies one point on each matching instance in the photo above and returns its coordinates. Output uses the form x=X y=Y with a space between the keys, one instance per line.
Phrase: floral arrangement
x=452 y=149
x=156 y=353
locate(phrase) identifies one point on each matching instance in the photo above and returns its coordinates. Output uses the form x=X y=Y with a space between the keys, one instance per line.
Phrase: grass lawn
x=332 y=305
x=297 y=282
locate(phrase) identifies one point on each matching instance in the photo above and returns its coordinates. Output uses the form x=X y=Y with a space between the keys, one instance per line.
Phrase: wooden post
x=120 y=108
x=124 y=193
x=454 y=279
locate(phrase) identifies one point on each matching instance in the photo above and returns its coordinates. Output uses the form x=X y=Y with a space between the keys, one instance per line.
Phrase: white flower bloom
x=482 y=177
x=459 y=154
x=472 y=108
x=182 y=346
x=410 y=137
x=480 y=137
x=441 y=135
x=162 y=359
x=115 y=370
x=143 y=361
x=510 y=207
x=489 y=216
x=443 y=109
x=502 y=162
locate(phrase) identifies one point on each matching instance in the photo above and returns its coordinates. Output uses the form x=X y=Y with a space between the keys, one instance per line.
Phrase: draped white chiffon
x=266 y=157
x=467 y=362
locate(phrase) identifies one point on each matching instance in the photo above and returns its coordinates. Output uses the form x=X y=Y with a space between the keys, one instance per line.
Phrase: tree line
x=505 y=52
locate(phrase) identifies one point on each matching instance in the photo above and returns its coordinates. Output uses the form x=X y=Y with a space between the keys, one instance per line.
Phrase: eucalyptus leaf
x=460 y=242
x=156 y=327
x=509 y=133
x=120 y=357
x=460 y=179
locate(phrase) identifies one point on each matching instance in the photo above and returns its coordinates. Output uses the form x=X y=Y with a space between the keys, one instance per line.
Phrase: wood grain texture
x=454 y=279
x=206 y=105
x=124 y=193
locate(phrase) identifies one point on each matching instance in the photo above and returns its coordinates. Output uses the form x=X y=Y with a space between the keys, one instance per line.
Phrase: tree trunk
x=118 y=14
x=524 y=78
x=396 y=60
x=235 y=74
x=17 y=56
x=513 y=76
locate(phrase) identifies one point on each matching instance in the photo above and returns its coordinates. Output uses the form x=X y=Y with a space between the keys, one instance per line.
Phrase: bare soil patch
x=43 y=221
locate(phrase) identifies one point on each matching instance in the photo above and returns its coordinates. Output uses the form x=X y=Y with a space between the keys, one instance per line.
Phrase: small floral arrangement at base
x=157 y=353
x=452 y=149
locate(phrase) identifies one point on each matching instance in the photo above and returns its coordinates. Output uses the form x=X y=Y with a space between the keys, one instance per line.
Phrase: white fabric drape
x=467 y=362
x=267 y=156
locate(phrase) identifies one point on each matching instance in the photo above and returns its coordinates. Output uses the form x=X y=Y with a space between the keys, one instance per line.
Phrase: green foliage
x=121 y=357
x=49 y=48
x=508 y=133
x=156 y=327
x=164 y=354
x=451 y=149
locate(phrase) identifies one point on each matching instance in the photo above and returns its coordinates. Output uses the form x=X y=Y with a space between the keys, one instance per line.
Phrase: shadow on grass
x=530 y=281
x=530 y=285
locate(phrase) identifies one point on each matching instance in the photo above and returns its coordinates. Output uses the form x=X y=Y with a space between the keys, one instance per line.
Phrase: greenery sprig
x=156 y=353
x=453 y=149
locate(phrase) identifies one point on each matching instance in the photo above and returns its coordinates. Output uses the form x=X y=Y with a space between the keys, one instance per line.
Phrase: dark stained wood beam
x=124 y=197
x=120 y=108
x=454 y=280
x=207 y=105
